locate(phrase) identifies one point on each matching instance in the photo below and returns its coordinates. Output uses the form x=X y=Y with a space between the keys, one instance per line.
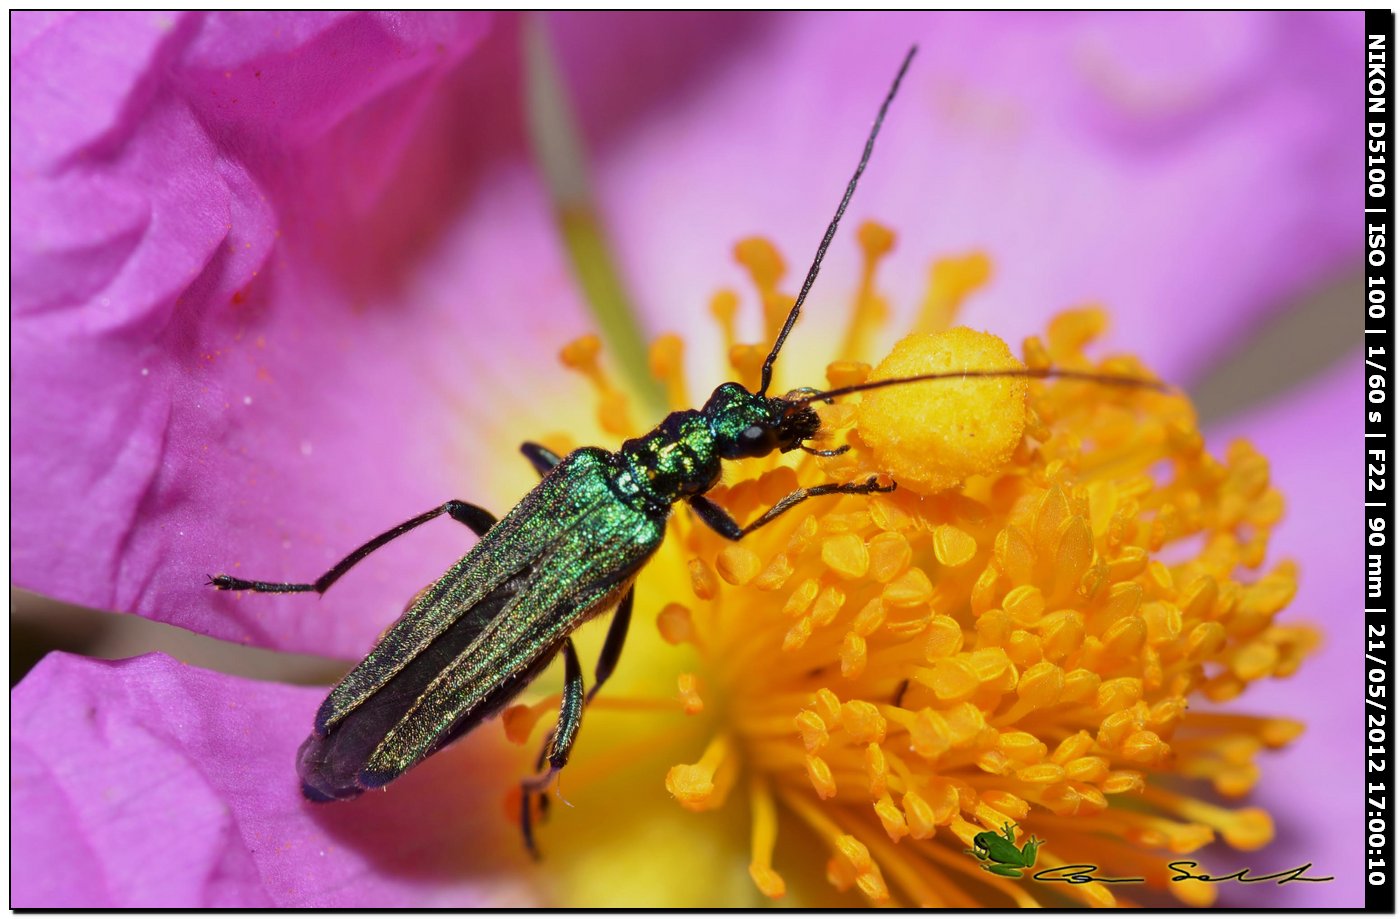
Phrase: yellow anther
x=1248 y=829
x=869 y=619
x=911 y=588
x=1205 y=641
x=938 y=433
x=768 y=881
x=820 y=775
x=867 y=873
x=989 y=664
x=1117 y=694
x=929 y=735
x=738 y=565
x=1071 y=330
x=581 y=354
x=829 y=603
x=889 y=516
x=519 y=720
x=1041 y=685
x=1080 y=685
x=950 y=678
x=800 y=600
x=953 y=547
x=876 y=769
x=853 y=655
x=1144 y=748
x=1041 y=774
x=1072 y=747
x=1024 y=649
x=675 y=624
x=890 y=554
x=846 y=373
x=826 y=704
x=1198 y=602
x=945 y=638
x=1123 y=782
x=702 y=579
x=813 y=730
x=667 y=365
x=689 y=686
x=1034 y=353
x=951 y=280
x=863 y=721
x=1131 y=562
x=891 y=818
x=704 y=785
x=797 y=636
x=1087 y=769
x=846 y=555
x=919 y=815
x=762 y=261
x=875 y=239
x=1021 y=748
x=1025 y=603
x=776 y=574
x=1163 y=621
x=986 y=590
x=724 y=306
x=1114 y=729
x=1125 y=637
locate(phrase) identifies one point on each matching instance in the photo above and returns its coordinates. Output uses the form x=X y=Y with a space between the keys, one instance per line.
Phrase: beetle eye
x=753 y=434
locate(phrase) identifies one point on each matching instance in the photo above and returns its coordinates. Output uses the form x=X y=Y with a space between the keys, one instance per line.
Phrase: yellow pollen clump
x=936 y=434
x=1035 y=628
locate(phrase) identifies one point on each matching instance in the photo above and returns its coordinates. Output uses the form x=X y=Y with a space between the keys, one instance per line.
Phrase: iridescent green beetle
x=569 y=551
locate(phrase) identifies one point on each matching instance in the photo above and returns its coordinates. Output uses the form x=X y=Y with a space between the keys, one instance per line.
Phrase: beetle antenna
x=1043 y=373
x=767 y=376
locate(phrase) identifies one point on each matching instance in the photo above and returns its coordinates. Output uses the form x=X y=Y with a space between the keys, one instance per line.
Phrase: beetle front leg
x=560 y=743
x=719 y=520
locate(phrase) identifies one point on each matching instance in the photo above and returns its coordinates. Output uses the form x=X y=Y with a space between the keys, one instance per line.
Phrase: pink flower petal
x=172 y=356
x=1313 y=440
x=148 y=783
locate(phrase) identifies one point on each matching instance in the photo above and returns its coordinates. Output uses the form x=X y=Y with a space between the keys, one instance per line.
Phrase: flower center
x=1010 y=639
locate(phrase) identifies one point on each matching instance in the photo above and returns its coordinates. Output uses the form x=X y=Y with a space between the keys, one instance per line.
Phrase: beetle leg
x=607 y=662
x=560 y=743
x=612 y=645
x=540 y=456
x=719 y=520
x=477 y=519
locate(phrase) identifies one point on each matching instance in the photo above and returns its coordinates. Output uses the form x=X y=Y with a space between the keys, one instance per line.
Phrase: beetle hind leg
x=477 y=519
x=558 y=746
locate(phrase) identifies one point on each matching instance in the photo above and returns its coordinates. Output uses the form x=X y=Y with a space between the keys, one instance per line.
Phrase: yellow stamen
x=706 y=784
x=666 y=362
x=765 y=838
x=876 y=241
x=1028 y=631
x=581 y=355
x=951 y=281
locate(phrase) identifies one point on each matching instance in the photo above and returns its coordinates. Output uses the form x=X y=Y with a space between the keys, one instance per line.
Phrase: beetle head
x=746 y=424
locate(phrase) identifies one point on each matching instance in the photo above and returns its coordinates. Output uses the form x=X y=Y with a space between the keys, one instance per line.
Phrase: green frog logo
x=999 y=852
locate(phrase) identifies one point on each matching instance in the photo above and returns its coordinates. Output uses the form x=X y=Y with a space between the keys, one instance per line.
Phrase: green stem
x=559 y=154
